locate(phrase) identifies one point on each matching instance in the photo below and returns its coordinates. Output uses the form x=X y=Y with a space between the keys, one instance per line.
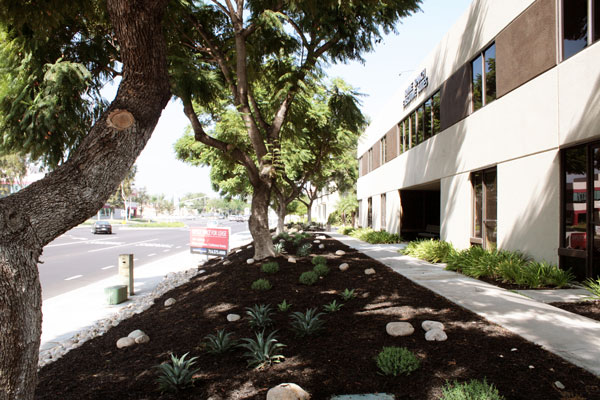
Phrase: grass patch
x=472 y=390
x=375 y=237
x=434 y=251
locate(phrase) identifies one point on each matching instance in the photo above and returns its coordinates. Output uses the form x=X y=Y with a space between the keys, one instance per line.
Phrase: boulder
x=169 y=302
x=436 y=335
x=399 y=328
x=287 y=391
x=429 y=325
x=136 y=334
x=369 y=271
x=344 y=267
x=125 y=342
x=340 y=252
x=142 y=339
x=233 y=317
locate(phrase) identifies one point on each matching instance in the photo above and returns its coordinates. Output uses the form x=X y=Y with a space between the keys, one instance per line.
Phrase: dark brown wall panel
x=391 y=144
x=527 y=47
x=456 y=97
x=376 y=155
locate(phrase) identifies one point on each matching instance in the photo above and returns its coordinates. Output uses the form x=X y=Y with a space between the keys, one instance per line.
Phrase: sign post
x=209 y=241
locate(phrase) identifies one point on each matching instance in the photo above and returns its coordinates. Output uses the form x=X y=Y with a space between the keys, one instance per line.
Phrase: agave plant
x=262 y=351
x=284 y=306
x=177 y=374
x=307 y=323
x=333 y=306
x=219 y=343
x=260 y=315
x=304 y=250
x=347 y=294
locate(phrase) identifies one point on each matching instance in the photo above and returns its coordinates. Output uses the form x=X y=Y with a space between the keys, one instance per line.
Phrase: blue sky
x=384 y=72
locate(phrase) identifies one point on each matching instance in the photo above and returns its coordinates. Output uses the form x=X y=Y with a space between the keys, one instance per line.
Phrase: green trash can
x=116 y=294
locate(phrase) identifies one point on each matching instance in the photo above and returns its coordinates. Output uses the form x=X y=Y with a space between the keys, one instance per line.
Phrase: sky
x=385 y=71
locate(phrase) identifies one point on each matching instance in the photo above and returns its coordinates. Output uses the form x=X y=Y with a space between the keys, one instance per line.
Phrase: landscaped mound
x=337 y=356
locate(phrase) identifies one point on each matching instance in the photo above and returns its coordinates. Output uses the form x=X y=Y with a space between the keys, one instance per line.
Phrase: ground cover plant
x=340 y=359
x=370 y=236
x=434 y=251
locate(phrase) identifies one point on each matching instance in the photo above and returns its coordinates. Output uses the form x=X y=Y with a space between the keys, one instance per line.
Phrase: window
x=383 y=203
x=435 y=104
x=483 y=69
x=370 y=213
x=485 y=195
x=370 y=160
x=413 y=129
x=427 y=120
x=360 y=169
x=580 y=25
x=382 y=146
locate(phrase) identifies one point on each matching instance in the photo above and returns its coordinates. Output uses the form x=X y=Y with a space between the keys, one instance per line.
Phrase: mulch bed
x=590 y=309
x=338 y=361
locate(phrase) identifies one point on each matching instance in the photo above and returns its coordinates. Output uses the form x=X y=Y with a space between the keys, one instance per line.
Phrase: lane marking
x=73 y=277
x=79 y=242
x=109 y=267
x=151 y=254
x=126 y=244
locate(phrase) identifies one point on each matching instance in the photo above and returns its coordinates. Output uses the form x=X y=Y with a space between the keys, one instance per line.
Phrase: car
x=102 y=227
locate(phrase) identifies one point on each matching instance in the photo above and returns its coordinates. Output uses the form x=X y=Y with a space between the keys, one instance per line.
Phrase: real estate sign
x=210 y=241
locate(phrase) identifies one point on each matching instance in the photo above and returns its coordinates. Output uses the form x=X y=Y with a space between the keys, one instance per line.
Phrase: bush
x=259 y=316
x=261 y=284
x=396 y=360
x=270 y=267
x=309 y=278
x=375 y=237
x=474 y=390
x=316 y=260
x=593 y=287
x=346 y=230
x=307 y=323
x=219 y=343
x=321 y=269
x=434 y=251
x=304 y=250
x=262 y=351
x=177 y=374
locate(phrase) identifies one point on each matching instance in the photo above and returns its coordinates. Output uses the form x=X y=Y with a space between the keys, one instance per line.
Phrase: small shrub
x=374 y=237
x=346 y=230
x=279 y=248
x=270 y=267
x=333 y=306
x=261 y=284
x=396 y=360
x=259 y=316
x=316 y=260
x=284 y=235
x=219 y=343
x=593 y=286
x=474 y=390
x=177 y=374
x=347 y=294
x=304 y=250
x=307 y=323
x=309 y=278
x=433 y=251
x=284 y=306
x=262 y=351
x=321 y=269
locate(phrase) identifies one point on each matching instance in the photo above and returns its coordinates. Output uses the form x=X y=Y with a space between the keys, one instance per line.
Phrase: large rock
x=321 y=246
x=429 y=325
x=436 y=335
x=399 y=328
x=344 y=267
x=125 y=342
x=250 y=261
x=287 y=391
x=233 y=317
x=316 y=241
x=136 y=334
x=369 y=271
x=292 y=260
x=169 y=302
x=142 y=339
x=340 y=252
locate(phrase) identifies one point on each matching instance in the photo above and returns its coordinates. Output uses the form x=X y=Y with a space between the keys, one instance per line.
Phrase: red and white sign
x=210 y=241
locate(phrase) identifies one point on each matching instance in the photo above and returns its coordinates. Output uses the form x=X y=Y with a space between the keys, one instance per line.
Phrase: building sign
x=209 y=241
x=415 y=87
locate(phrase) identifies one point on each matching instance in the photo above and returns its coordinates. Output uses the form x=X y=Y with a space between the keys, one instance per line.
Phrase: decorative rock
x=292 y=260
x=287 y=391
x=136 y=334
x=233 y=317
x=316 y=241
x=281 y=240
x=142 y=339
x=559 y=385
x=124 y=342
x=169 y=302
x=250 y=261
x=513 y=349
x=238 y=251
x=437 y=335
x=399 y=329
x=226 y=262
x=321 y=246
x=369 y=271
x=249 y=246
x=344 y=267
x=429 y=325
x=340 y=252
x=531 y=367
x=321 y=237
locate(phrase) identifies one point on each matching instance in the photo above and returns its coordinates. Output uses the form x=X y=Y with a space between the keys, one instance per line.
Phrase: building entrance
x=420 y=212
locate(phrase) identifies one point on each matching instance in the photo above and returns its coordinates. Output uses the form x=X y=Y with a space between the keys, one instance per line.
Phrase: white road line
x=121 y=245
x=73 y=277
x=79 y=242
x=151 y=254
x=109 y=267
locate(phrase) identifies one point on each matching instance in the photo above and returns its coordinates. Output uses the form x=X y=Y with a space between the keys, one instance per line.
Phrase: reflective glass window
x=575 y=26
x=435 y=125
x=596 y=19
x=413 y=130
x=420 y=124
x=575 y=207
x=490 y=73
x=477 y=78
x=427 y=120
x=477 y=180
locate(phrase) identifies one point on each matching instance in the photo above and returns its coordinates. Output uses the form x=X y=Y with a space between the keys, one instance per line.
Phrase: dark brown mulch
x=338 y=361
x=590 y=309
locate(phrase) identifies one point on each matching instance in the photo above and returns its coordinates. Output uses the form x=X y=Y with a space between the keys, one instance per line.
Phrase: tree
x=232 y=48
x=94 y=167
x=124 y=192
x=13 y=169
x=195 y=201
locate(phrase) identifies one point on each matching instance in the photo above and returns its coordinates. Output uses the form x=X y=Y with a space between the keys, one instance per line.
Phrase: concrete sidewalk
x=571 y=336
x=69 y=313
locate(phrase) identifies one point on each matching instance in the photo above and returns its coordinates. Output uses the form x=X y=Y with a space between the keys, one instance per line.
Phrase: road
x=78 y=257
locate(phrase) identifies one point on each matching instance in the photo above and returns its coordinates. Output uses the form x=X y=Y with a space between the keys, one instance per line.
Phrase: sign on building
x=209 y=241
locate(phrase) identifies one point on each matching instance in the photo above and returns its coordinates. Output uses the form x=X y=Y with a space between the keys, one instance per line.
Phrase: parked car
x=102 y=227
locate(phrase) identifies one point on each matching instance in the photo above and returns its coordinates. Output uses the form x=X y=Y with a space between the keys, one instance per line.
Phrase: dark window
x=419 y=118
x=383 y=204
x=490 y=74
x=405 y=137
x=427 y=120
x=383 y=150
x=477 y=181
x=575 y=208
x=596 y=20
x=485 y=200
x=436 y=113
x=370 y=160
x=413 y=129
x=575 y=26
x=477 y=79
x=370 y=213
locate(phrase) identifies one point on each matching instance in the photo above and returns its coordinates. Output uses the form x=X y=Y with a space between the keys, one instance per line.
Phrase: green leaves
x=262 y=351
x=176 y=375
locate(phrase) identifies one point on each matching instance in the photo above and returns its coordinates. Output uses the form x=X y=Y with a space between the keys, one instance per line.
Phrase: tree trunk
x=309 y=210
x=75 y=191
x=280 y=218
x=259 y=222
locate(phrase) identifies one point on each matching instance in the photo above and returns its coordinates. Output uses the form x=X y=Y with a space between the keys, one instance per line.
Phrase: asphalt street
x=79 y=257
